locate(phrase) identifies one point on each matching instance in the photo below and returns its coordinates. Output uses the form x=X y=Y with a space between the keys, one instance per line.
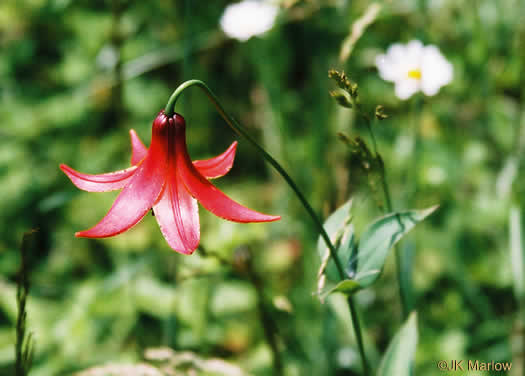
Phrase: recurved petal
x=138 y=150
x=210 y=196
x=99 y=183
x=217 y=166
x=177 y=214
x=137 y=197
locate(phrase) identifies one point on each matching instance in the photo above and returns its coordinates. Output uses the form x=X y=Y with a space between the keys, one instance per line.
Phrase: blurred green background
x=75 y=76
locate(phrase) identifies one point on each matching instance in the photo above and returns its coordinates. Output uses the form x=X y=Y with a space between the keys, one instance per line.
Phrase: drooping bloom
x=248 y=18
x=413 y=67
x=164 y=178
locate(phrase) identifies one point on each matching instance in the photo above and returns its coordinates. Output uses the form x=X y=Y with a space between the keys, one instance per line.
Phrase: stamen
x=415 y=74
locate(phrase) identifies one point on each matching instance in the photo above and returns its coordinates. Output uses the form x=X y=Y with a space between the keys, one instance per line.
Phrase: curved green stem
x=237 y=128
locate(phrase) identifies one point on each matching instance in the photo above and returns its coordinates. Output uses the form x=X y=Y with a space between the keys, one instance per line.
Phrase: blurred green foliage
x=75 y=76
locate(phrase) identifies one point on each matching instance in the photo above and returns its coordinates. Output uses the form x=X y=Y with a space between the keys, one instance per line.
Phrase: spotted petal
x=220 y=165
x=99 y=183
x=137 y=197
x=138 y=150
x=177 y=214
x=210 y=196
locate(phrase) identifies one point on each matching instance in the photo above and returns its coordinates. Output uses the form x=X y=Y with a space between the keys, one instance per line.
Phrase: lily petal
x=138 y=150
x=177 y=214
x=99 y=183
x=209 y=195
x=137 y=197
x=218 y=166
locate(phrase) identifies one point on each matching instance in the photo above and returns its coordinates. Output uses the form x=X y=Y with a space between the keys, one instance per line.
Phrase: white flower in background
x=248 y=18
x=413 y=67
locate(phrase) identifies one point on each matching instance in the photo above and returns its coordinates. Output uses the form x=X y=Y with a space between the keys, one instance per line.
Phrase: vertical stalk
x=237 y=128
x=358 y=335
x=389 y=206
x=24 y=346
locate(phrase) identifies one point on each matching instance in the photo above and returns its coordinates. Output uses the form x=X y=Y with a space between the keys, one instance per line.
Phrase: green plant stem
x=386 y=188
x=389 y=206
x=237 y=128
x=358 y=334
x=399 y=260
x=24 y=346
x=369 y=127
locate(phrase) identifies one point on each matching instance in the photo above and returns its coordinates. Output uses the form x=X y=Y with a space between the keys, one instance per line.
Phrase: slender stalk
x=384 y=184
x=237 y=128
x=399 y=260
x=368 y=126
x=389 y=206
x=384 y=181
x=24 y=346
x=358 y=335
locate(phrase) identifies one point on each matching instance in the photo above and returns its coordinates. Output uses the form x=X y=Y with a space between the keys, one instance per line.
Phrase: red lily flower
x=164 y=178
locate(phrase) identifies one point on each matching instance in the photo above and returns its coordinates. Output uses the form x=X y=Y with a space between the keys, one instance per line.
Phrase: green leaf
x=377 y=240
x=339 y=228
x=364 y=266
x=348 y=286
x=399 y=357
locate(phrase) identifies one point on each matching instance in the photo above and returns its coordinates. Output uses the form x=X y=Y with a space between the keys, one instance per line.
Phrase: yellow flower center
x=415 y=74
